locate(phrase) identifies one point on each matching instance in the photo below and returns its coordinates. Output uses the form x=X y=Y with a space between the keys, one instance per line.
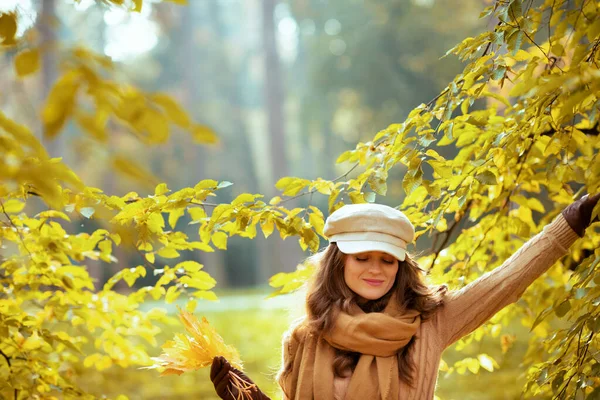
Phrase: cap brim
x=362 y=246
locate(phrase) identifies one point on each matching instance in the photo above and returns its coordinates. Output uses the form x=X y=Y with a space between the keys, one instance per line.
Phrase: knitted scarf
x=378 y=336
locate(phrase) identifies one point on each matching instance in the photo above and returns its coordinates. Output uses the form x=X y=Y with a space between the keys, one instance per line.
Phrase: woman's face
x=371 y=274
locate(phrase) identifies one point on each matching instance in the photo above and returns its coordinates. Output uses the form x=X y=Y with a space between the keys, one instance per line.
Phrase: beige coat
x=468 y=308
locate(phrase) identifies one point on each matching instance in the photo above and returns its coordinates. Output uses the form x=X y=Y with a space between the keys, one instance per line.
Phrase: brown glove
x=579 y=213
x=222 y=380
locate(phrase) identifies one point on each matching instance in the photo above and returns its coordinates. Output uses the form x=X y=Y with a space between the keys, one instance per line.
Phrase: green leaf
x=224 y=184
x=87 y=211
x=370 y=197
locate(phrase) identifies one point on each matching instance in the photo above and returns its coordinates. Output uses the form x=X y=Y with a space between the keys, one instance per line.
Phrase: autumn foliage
x=523 y=116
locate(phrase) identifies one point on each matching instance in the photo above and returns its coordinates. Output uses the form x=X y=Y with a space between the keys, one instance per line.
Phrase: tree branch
x=593 y=131
x=449 y=233
x=7 y=358
x=16 y=228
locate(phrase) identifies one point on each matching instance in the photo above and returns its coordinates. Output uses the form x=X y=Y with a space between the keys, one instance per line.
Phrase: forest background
x=117 y=115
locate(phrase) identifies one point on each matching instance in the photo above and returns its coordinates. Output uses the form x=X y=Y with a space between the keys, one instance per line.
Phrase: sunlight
x=129 y=35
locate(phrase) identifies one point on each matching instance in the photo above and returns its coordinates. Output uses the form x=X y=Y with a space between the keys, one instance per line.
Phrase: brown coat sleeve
x=468 y=308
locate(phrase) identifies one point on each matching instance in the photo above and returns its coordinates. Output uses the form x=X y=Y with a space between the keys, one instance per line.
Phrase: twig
x=435 y=98
x=7 y=358
x=345 y=174
x=449 y=233
x=16 y=228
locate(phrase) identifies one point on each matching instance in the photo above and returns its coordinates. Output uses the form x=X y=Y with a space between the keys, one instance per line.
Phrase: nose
x=375 y=267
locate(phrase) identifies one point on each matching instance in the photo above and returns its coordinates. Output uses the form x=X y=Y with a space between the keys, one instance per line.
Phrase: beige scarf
x=377 y=336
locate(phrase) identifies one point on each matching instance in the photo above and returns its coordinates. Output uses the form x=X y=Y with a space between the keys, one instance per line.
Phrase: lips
x=374 y=282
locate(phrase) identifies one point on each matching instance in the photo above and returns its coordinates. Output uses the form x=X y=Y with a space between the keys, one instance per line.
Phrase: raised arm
x=467 y=309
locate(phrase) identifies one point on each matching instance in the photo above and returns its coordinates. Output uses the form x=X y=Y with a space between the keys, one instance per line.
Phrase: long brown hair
x=328 y=293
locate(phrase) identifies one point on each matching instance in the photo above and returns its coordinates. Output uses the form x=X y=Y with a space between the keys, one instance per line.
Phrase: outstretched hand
x=225 y=385
x=579 y=213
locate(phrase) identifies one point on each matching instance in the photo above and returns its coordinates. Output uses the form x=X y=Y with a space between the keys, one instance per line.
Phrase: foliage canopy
x=523 y=114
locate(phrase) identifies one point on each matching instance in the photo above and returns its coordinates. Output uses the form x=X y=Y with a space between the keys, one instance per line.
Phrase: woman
x=373 y=329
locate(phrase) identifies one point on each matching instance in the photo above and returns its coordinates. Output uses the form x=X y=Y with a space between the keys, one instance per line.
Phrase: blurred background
x=286 y=86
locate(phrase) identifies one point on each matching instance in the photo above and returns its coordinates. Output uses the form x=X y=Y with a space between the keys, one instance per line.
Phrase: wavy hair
x=328 y=293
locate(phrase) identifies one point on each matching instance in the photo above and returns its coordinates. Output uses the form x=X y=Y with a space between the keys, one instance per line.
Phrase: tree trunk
x=47 y=25
x=284 y=255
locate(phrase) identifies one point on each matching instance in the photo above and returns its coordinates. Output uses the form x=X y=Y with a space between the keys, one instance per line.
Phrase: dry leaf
x=189 y=353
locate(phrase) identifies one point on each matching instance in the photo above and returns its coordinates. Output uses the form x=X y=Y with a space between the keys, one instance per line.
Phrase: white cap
x=358 y=228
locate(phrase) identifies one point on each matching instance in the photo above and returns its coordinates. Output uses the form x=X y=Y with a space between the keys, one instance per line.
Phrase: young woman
x=373 y=329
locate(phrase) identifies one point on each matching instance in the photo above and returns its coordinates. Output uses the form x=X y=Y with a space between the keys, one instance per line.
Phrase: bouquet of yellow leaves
x=190 y=353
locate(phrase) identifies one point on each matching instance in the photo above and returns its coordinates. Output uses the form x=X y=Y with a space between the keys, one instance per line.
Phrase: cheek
x=352 y=271
x=392 y=272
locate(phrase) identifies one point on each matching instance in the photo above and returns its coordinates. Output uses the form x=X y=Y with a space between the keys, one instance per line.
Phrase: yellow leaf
x=53 y=214
x=150 y=257
x=198 y=280
x=357 y=197
x=191 y=305
x=156 y=126
x=201 y=246
x=275 y=200
x=219 y=239
x=135 y=171
x=244 y=198
x=189 y=353
x=33 y=342
x=161 y=189
x=8 y=27
x=206 y=184
x=267 y=227
x=174 y=111
x=189 y=266
x=203 y=134
x=197 y=213
x=13 y=206
x=116 y=238
x=174 y=216
x=317 y=223
x=486 y=362
x=206 y=295
x=155 y=222
x=172 y=294
x=168 y=252
x=137 y=5
x=27 y=62
x=60 y=103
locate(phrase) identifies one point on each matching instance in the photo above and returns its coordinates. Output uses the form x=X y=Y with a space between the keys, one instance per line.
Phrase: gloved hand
x=579 y=213
x=221 y=379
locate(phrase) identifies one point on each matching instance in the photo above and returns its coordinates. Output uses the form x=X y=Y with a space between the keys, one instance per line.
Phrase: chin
x=372 y=296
